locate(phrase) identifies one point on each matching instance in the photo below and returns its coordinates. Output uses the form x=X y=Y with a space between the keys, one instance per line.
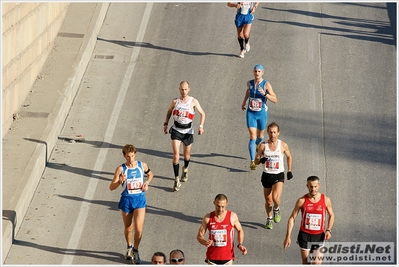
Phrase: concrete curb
x=12 y=219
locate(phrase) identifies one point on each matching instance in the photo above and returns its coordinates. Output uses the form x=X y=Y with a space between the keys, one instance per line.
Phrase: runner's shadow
x=168 y=49
x=253 y=225
x=104 y=255
x=173 y=214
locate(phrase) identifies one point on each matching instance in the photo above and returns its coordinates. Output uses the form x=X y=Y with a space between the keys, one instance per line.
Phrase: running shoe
x=129 y=254
x=247 y=47
x=253 y=165
x=269 y=224
x=184 y=174
x=176 y=186
x=242 y=52
x=277 y=215
x=136 y=257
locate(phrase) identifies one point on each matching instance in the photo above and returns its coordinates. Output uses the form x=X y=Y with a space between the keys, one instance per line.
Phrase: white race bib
x=255 y=104
x=219 y=238
x=134 y=186
x=313 y=221
x=272 y=164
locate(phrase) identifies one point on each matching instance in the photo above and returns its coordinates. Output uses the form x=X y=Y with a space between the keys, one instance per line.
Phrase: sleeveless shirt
x=313 y=216
x=257 y=101
x=183 y=116
x=222 y=234
x=274 y=159
x=245 y=8
x=134 y=180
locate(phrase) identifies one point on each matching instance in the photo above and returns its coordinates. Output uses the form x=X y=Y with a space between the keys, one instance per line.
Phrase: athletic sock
x=186 y=162
x=259 y=140
x=176 y=169
x=241 y=42
x=252 y=149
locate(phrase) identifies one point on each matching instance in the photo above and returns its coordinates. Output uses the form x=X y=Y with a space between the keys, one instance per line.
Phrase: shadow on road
x=374 y=31
x=104 y=255
x=168 y=49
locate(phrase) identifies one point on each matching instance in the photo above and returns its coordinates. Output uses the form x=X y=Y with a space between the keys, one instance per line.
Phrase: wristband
x=165 y=124
x=329 y=231
x=201 y=126
x=238 y=246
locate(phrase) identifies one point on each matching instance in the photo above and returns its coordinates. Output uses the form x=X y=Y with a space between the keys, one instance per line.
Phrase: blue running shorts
x=241 y=20
x=257 y=119
x=130 y=203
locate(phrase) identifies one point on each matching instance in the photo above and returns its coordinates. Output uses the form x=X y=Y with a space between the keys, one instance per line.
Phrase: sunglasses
x=177 y=260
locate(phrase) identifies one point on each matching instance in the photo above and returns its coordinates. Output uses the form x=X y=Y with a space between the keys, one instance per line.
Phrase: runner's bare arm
x=291 y=222
x=330 y=217
x=117 y=180
x=202 y=230
x=240 y=233
x=244 y=102
x=198 y=107
x=271 y=96
x=168 y=115
x=288 y=155
x=149 y=174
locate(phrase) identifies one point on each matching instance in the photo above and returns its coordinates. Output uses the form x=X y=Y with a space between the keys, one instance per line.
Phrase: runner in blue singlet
x=257 y=93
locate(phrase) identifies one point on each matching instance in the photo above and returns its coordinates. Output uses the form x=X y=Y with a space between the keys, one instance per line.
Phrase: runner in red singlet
x=313 y=207
x=220 y=225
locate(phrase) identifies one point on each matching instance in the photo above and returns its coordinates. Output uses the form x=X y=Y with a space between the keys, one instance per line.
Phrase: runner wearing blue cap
x=258 y=92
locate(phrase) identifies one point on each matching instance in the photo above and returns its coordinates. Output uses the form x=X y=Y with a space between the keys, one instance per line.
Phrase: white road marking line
x=84 y=209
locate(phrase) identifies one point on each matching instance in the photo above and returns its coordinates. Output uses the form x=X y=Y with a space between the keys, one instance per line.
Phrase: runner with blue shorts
x=243 y=22
x=133 y=202
x=257 y=93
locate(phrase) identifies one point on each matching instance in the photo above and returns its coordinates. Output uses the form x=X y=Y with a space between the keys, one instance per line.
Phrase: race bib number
x=134 y=186
x=313 y=221
x=272 y=164
x=182 y=113
x=219 y=238
x=245 y=7
x=255 y=104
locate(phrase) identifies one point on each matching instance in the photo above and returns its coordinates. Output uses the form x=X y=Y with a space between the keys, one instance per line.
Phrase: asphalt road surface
x=333 y=68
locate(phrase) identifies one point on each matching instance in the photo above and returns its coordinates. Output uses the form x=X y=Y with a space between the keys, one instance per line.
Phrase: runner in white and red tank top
x=183 y=109
x=313 y=206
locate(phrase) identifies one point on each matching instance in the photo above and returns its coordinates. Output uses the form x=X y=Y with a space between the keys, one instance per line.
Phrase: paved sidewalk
x=28 y=144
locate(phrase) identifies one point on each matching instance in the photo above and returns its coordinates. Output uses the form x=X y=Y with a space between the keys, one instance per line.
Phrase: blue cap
x=259 y=67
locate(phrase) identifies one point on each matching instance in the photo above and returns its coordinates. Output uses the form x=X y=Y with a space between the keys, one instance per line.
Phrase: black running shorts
x=305 y=238
x=268 y=180
x=187 y=139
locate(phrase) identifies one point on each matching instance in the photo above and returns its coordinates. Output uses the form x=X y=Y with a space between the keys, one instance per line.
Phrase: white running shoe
x=247 y=47
x=129 y=254
x=176 y=186
x=184 y=174
x=241 y=55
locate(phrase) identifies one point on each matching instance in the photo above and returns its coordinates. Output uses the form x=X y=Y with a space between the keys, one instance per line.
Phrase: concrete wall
x=29 y=29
